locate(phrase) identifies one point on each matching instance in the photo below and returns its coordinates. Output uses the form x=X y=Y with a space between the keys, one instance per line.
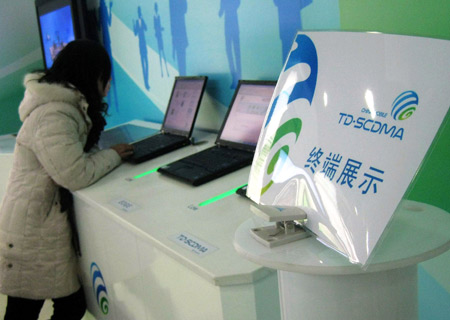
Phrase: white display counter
x=150 y=251
x=316 y=282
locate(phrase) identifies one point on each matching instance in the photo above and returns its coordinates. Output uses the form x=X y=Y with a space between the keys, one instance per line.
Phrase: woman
x=63 y=115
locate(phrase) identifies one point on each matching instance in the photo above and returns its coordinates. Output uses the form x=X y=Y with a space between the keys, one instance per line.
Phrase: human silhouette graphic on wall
x=105 y=21
x=228 y=9
x=139 y=28
x=178 y=10
x=158 y=34
x=290 y=21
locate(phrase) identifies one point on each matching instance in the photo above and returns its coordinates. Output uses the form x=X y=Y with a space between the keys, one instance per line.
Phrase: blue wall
x=226 y=40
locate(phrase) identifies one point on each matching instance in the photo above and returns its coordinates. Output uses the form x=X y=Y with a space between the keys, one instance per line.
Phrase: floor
x=46 y=311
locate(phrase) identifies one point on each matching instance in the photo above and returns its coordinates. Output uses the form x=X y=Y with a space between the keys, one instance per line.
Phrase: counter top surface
x=417 y=232
x=168 y=214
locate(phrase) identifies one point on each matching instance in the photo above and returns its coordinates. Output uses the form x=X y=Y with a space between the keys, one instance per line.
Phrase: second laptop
x=178 y=121
x=236 y=142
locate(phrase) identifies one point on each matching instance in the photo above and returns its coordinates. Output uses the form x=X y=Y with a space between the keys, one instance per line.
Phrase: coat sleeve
x=58 y=146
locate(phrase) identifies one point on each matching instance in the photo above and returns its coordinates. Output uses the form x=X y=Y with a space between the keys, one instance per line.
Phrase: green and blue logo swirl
x=404 y=105
x=99 y=287
x=304 y=53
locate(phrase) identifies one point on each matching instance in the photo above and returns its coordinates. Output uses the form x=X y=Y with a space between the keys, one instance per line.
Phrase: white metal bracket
x=286 y=228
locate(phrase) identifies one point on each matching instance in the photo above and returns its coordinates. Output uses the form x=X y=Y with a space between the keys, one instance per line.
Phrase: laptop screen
x=183 y=105
x=246 y=113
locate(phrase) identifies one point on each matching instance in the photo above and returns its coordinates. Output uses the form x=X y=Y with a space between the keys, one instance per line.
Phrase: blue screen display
x=56 y=30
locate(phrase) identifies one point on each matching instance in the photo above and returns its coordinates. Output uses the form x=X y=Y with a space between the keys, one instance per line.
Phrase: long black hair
x=83 y=63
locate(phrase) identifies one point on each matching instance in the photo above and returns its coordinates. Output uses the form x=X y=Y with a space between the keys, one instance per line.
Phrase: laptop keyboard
x=216 y=158
x=155 y=142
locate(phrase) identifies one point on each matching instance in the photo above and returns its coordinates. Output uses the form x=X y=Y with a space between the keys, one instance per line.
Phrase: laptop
x=236 y=142
x=178 y=121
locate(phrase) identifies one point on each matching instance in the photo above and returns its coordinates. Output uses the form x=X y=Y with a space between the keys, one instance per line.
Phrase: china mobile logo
x=404 y=105
x=305 y=52
x=402 y=108
x=99 y=287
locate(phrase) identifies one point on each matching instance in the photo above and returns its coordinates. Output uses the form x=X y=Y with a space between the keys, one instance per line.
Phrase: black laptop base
x=190 y=177
x=144 y=154
x=196 y=174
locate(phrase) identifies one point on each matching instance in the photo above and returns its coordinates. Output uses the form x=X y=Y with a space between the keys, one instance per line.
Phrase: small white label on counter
x=197 y=246
x=124 y=205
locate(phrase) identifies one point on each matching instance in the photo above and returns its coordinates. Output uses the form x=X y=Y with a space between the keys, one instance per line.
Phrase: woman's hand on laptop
x=123 y=150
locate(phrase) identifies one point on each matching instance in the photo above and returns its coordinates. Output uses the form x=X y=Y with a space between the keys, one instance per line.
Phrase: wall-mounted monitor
x=61 y=21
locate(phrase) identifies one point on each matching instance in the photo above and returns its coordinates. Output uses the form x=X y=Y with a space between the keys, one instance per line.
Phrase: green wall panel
x=411 y=17
x=11 y=95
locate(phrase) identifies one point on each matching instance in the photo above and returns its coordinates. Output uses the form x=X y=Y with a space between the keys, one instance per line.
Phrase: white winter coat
x=37 y=260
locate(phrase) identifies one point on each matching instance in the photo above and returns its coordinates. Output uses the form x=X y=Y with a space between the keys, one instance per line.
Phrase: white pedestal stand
x=315 y=282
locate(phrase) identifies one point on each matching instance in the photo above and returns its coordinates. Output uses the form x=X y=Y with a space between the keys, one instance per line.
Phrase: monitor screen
x=184 y=103
x=247 y=113
x=56 y=26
